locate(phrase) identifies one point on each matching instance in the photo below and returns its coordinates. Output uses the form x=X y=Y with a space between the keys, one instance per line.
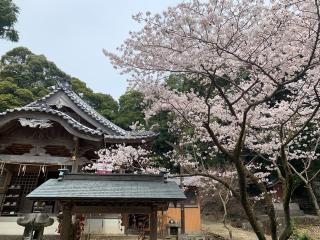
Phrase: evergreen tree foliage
x=8 y=17
x=130 y=109
x=103 y=103
x=25 y=77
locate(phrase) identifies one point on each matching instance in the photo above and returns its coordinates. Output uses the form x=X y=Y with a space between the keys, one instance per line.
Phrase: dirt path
x=218 y=228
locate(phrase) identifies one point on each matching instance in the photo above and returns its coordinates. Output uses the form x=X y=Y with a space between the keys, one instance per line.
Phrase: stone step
x=91 y=237
x=19 y=237
x=111 y=237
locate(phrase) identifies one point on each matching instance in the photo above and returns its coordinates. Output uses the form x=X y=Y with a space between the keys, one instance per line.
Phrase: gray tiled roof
x=82 y=105
x=86 y=108
x=109 y=186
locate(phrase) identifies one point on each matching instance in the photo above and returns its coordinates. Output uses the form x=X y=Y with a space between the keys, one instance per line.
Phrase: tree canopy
x=130 y=109
x=8 y=18
x=103 y=103
x=25 y=76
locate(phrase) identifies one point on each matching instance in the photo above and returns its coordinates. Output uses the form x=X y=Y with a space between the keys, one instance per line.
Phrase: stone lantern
x=34 y=224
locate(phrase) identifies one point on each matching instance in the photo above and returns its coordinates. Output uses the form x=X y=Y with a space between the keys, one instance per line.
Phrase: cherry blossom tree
x=259 y=66
x=122 y=158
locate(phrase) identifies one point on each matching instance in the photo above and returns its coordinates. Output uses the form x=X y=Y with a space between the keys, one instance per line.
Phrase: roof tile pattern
x=104 y=188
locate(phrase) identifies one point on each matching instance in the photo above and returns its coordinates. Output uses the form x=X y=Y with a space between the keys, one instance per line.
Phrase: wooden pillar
x=153 y=223
x=66 y=224
x=182 y=212
x=74 y=158
x=183 y=218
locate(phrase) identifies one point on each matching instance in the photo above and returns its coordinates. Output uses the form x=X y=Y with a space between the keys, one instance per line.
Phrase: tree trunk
x=288 y=189
x=314 y=199
x=245 y=201
x=269 y=204
x=225 y=214
x=273 y=220
x=287 y=232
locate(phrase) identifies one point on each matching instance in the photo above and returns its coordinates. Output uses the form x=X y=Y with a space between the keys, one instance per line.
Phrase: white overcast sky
x=72 y=33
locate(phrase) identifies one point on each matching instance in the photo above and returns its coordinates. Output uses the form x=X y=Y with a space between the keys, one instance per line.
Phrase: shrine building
x=56 y=131
x=62 y=131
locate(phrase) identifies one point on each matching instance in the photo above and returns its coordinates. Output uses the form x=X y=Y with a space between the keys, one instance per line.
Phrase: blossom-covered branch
x=259 y=66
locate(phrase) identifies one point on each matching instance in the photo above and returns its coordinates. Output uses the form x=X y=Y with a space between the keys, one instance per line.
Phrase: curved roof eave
x=71 y=125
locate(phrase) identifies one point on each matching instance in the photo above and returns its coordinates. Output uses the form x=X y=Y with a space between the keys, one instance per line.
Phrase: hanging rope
x=2 y=168
x=24 y=169
x=43 y=169
x=39 y=171
x=19 y=170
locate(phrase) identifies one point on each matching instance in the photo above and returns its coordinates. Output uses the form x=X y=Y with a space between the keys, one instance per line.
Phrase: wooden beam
x=110 y=209
x=63 y=141
x=182 y=213
x=183 y=218
x=52 y=160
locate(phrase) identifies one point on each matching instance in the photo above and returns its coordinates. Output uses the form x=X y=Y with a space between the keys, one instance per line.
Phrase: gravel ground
x=312 y=231
x=218 y=228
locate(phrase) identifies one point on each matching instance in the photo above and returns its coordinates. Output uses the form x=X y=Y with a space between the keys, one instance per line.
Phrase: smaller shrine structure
x=109 y=193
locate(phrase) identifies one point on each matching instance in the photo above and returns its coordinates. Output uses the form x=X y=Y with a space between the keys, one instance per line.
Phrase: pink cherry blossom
x=259 y=65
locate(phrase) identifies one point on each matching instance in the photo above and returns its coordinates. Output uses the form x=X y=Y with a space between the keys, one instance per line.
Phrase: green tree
x=30 y=70
x=103 y=103
x=25 y=76
x=8 y=86
x=130 y=109
x=7 y=101
x=8 y=17
x=25 y=95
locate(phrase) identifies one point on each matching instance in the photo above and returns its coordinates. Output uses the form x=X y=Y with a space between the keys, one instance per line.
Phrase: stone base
x=111 y=237
x=294 y=209
x=200 y=236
